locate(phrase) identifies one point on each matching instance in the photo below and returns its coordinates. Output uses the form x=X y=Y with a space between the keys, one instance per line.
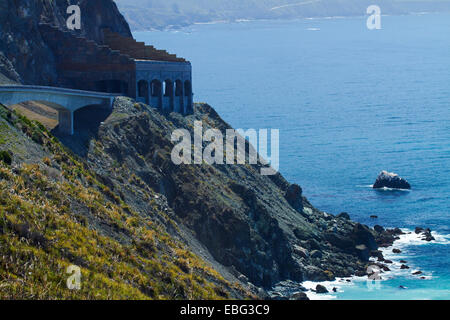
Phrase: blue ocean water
x=349 y=102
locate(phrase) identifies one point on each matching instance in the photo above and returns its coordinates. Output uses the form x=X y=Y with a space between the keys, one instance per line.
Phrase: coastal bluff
x=113 y=202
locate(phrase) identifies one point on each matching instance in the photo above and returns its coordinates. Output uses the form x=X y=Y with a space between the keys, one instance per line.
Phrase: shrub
x=6 y=157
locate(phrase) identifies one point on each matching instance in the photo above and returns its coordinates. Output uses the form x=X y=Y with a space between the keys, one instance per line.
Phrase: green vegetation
x=6 y=157
x=56 y=213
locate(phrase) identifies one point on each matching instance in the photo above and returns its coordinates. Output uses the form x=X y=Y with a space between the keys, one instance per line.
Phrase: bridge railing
x=30 y=88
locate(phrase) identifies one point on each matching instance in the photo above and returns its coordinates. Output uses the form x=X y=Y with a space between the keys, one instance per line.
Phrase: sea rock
x=390 y=180
x=428 y=236
x=396 y=250
x=299 y=296
x=321 y=289
x=277 y=296
x=404 y=266
x=377 y=254
x=344 y=215
x=417 y=273
x=314 y=273
x=378 y=229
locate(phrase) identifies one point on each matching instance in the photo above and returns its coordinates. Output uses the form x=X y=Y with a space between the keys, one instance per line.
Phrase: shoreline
x=172 y=28
x=407 y=239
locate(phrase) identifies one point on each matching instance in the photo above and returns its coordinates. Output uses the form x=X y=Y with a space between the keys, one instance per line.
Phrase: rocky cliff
x=258 y=226
x=21 y=42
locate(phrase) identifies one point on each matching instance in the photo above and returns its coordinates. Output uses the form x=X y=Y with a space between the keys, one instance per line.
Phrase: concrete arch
x=143 y=91
x=70 y=100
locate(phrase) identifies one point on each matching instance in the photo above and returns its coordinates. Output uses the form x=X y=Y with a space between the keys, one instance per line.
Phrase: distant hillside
x=161 y=14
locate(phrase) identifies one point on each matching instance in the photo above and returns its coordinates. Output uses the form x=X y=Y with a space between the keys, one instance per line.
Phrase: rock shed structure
x=121 y=65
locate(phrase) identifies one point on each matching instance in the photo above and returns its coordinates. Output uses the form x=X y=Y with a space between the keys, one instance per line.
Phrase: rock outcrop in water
x=390 y=180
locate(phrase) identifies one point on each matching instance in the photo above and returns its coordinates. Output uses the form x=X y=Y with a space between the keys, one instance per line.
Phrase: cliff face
x=142 y=227
x=21 y=42
x=251 y=224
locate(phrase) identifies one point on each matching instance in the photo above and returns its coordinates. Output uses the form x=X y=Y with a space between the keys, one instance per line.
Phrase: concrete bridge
x=70 y=100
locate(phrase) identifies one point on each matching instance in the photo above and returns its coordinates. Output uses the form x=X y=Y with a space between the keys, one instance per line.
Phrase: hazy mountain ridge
x=162 y=14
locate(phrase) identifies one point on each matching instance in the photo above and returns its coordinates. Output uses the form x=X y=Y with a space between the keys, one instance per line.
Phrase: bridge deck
x=70 y=100
x=57 y=90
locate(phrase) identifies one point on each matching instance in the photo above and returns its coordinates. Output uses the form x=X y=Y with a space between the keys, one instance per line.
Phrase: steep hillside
x=254 y=225
x=143 y=227
x=55 y=212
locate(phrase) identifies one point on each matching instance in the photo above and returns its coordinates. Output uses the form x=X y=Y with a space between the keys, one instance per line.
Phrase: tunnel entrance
x=112 y=86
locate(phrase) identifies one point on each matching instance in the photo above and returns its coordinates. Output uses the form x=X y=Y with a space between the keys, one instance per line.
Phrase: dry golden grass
x=43 y=112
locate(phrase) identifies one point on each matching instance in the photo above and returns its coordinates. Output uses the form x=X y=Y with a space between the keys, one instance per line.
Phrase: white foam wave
x=409 y=238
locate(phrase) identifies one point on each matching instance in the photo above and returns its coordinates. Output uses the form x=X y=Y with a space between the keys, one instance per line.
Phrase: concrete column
x=182 y=106
x=161 y=97
x=65 y=119
x=172 y=98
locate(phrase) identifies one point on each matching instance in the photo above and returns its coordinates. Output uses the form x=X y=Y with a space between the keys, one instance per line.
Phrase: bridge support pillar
x=65 y=118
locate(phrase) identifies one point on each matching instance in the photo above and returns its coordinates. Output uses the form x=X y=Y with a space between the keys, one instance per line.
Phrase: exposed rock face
x=321 y=289
x=294 y=196
x=258 y=225
x=21 y=41
x=8 y=74
x=390 y=180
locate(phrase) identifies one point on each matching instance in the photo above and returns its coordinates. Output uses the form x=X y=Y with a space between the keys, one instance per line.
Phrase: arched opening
x=156 y=93
x=143 y=95
x=156 y=88
x=168 y=88
x=168 y=95
x=178 y=88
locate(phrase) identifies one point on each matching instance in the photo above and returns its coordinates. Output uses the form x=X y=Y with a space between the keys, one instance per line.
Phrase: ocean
x=349 y=102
